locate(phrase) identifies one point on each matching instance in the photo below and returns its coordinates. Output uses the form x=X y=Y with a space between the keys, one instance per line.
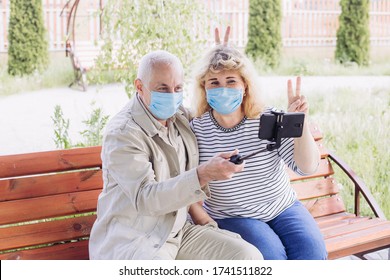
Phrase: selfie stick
x=277 y=140
x=238 y=159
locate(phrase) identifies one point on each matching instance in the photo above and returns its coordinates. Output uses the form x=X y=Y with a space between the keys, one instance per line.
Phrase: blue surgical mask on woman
x=224 y=100
x=164 y=105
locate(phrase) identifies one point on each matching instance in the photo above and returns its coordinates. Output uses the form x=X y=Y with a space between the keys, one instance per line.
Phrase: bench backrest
x=48 y=200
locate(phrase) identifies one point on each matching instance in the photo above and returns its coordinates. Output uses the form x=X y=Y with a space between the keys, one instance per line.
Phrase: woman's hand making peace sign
x=225 y=39
x=296 y=101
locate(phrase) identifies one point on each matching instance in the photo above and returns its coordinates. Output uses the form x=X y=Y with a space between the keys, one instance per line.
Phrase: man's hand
x=218 y=168
x=296 y=101
x=225 y=39
x=199 y=216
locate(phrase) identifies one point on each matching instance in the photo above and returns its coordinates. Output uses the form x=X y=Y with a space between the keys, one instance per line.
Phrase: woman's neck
x=230 y=120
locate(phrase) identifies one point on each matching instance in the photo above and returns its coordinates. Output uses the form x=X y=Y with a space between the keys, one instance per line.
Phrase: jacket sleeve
x=127 y=161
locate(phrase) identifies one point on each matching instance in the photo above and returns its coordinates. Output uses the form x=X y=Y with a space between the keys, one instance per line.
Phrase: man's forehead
x=166 y=74
x=173 y=82
x=162 y=66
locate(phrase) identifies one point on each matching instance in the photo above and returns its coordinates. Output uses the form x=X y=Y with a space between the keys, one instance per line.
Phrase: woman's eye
x=231 y=81
x=215 y=83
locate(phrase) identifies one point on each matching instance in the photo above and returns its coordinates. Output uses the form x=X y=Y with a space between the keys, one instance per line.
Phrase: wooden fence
x=305 y=22
x=55 y=16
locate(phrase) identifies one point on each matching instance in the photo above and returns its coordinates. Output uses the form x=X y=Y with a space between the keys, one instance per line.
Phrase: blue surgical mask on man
x=224 y=100
x=164 y=105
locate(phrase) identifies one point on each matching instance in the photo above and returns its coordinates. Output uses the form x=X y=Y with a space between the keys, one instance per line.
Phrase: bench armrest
x=360 y=187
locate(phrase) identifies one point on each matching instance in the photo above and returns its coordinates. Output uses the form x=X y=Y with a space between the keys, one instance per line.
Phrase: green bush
x=28 y=47
x=264 y=31
x=131 y=29
x=353 y=35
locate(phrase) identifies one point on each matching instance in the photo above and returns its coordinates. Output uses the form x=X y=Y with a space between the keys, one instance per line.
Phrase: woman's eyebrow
x=212 y=79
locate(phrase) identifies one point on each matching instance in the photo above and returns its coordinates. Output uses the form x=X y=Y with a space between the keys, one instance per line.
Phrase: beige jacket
x=142 y=186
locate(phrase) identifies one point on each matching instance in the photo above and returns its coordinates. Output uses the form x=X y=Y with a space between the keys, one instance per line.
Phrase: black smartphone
x=290 y=125
x=273 y=127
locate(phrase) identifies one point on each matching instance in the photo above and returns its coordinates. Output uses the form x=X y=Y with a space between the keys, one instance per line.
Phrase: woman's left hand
x=296 y=101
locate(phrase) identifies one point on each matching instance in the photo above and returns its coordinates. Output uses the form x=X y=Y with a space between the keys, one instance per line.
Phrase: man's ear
x=138 y=86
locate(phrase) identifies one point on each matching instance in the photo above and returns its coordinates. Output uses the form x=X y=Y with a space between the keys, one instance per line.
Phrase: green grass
x=355 y=125
x=319 y=61
x=58 y=74
x=324 y=67
x=358 y=127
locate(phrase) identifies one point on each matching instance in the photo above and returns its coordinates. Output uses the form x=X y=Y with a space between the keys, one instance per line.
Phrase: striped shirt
x=262 y=191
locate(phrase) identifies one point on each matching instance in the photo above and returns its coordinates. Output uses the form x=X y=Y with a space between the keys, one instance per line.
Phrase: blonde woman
x=258 y=203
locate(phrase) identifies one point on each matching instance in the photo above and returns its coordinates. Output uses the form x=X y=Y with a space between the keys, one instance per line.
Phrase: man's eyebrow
x=166 y=85
x=162 y=84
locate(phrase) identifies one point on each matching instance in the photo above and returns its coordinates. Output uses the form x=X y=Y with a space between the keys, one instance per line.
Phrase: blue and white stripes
x=262 y=190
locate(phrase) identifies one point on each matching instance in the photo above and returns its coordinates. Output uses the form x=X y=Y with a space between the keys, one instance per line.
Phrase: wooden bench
x=48 y=202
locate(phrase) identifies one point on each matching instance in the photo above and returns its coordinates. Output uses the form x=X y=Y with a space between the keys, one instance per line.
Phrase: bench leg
x=83 y=80
x=80 y=79
x=361 y=256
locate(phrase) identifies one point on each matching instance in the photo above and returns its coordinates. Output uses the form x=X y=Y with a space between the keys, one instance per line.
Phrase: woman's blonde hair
x=222 y=58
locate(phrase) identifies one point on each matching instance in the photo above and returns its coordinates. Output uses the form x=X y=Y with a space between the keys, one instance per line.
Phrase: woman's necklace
x=234 y=128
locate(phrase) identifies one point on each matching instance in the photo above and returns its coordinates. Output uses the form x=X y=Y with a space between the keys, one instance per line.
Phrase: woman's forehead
x=223 y=74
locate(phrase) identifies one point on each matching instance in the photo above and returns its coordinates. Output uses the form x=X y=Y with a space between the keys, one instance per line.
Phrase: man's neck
x=163 y=122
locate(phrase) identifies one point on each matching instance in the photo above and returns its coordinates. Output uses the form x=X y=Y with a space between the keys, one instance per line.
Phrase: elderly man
x=151 y=177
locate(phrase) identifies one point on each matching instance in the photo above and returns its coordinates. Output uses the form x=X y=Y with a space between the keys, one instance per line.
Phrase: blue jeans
x=293 y=235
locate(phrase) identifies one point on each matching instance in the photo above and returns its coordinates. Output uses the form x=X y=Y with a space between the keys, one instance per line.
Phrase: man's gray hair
x=156 y=57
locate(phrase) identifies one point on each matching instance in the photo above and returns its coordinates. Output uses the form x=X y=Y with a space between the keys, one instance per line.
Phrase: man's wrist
x=202 y=174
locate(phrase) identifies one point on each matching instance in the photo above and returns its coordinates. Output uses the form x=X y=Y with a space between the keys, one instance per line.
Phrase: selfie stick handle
x=238 y=159
x=278 y=129
x=278 y=139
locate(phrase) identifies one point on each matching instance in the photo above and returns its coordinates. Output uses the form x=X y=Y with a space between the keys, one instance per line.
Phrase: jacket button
x=174 y=214
x=156 y=246
x=197 y=192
